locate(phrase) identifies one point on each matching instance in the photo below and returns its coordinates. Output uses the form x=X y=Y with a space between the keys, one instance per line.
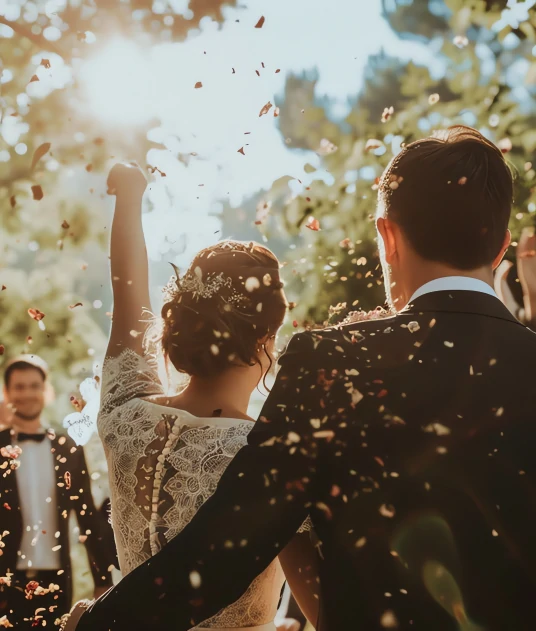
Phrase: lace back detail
x=162 y=469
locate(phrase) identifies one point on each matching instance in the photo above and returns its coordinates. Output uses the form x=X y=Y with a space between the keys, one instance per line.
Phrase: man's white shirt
x=36 y=482
x=453 y=283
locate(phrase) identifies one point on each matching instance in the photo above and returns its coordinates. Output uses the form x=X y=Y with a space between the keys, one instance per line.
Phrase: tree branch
x=40 y=41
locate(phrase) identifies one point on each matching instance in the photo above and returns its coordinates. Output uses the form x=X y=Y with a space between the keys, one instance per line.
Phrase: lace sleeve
x=128 y=376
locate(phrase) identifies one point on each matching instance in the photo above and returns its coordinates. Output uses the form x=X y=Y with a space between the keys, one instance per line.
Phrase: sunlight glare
x=117 y=84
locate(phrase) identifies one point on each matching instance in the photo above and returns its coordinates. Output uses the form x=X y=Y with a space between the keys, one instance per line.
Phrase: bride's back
x=166 y=454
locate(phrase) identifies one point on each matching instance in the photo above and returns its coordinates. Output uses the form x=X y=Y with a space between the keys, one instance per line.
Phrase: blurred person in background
x=43 y=478
x=519 y=294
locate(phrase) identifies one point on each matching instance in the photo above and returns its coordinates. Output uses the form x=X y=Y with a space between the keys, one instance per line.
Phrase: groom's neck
x=417 y=275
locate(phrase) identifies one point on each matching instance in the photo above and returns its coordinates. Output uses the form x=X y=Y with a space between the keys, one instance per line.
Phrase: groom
x=409 y=440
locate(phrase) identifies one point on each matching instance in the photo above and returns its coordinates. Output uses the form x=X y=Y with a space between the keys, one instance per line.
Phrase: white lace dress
x=163 y=464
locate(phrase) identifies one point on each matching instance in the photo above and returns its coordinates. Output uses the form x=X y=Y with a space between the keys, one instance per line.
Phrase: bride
x=165 y=453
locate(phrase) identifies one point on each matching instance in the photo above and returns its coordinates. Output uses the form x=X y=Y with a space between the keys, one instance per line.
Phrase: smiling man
x=35 y=502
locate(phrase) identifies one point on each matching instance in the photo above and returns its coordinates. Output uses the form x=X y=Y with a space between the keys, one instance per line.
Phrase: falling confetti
x=387 y=511
x=387 y=114
x=36 y=314
x=326 y=147
x=505 y=145
x=373 y=143
x=41 y=151
x=198 y=85
x=37 y=192
x=262 y=211
x=260 y=23
x=460 y=41
x=265 y=109
x=313 y=224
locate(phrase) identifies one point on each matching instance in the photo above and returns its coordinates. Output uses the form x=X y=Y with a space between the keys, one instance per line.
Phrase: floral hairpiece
x=193 y=283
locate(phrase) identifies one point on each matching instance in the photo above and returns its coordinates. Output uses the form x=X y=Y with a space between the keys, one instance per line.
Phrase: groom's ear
x=505 y=246
x=387 y=234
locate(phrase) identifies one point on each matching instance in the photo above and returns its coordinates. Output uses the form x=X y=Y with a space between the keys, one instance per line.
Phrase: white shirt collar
x=453 y=283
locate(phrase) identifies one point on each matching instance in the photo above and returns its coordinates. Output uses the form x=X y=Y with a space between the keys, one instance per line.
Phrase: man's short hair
x=451 y=194
x=25 y=362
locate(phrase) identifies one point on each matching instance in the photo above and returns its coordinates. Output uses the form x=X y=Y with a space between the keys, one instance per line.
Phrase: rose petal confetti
x=36 y=314
x=37 y=192
x=313 y=224
x=260 y=23
x=387 y=113
x=41 y=151
x=373 y=143
x=198 y=85
x=265 y=109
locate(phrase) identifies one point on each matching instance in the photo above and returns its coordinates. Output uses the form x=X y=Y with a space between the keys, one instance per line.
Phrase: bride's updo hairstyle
x=221 y=311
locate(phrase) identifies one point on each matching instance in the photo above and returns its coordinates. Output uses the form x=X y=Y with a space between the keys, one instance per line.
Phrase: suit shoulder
x=313 y=341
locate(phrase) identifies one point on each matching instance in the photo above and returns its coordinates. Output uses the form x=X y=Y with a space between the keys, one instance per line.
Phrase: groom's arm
x=261 y=501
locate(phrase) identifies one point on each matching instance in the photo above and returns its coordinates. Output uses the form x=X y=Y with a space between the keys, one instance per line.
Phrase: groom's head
x=444 y=206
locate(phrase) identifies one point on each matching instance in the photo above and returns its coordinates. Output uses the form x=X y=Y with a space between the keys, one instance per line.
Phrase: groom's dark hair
x=451 y=194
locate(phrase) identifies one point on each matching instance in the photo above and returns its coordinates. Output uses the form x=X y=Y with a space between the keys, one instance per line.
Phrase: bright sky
x=127 y=85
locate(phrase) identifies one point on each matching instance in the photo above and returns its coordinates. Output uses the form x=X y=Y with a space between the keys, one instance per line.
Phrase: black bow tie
x=37 y=437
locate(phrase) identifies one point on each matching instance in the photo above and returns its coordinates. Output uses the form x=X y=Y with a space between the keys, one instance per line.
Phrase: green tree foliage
x=482 y=72
x=53 y=211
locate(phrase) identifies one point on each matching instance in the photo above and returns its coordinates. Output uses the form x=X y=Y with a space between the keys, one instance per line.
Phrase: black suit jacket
x=68 y=458
x=411 y=442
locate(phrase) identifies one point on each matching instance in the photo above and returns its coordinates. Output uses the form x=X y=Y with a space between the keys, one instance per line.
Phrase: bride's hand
x=126 y=177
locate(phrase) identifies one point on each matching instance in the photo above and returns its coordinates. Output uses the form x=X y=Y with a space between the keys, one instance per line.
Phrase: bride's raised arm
x=128 y=260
